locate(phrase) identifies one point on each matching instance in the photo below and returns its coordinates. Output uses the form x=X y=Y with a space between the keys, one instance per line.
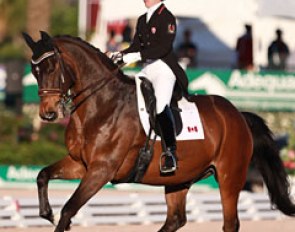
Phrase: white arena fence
x=135 y=209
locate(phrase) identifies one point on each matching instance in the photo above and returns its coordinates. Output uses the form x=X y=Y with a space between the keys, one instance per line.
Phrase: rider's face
x=150 y=3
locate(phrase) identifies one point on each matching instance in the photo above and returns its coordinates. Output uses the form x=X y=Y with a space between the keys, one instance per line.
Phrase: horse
x=104 y=136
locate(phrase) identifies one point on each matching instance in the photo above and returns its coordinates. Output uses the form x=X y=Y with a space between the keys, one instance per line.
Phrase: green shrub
x=18 y=147
x=35 y=153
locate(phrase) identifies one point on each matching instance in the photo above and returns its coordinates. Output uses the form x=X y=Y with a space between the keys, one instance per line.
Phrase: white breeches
x=163 y=80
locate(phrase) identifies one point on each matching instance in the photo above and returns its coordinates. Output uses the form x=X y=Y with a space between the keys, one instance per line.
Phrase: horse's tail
x=267 y=159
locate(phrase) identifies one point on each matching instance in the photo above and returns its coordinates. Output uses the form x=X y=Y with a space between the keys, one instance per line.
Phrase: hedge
x=19 y=145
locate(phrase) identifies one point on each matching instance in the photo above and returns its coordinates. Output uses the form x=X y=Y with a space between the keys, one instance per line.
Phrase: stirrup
x=167 y=169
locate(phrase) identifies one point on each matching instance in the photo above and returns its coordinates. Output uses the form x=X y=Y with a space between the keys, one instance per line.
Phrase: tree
x=38 y=17
x=12 y=18
x=12 y=21
x=64 y=18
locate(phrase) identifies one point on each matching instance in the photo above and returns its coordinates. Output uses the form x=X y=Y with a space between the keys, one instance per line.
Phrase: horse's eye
x=36 y=71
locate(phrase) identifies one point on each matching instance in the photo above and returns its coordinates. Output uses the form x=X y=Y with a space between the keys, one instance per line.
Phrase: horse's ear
x=44 y=36
x=30 y=42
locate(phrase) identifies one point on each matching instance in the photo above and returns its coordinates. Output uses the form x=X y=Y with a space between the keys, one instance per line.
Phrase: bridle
x=64 y=93
x=54 y=91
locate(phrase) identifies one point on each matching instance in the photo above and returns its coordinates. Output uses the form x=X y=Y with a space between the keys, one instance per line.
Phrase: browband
x=44 y=56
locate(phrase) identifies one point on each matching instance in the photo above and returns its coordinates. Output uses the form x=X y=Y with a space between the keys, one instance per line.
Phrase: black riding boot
x=165 y=122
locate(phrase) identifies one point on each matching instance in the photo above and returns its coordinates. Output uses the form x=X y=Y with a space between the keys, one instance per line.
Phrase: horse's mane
x=103 y=57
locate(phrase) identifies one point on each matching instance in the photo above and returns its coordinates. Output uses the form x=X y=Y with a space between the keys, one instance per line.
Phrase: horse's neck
x=100 y=89
x=106 y=99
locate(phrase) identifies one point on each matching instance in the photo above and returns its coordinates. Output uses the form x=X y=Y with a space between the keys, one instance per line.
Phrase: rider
x=153 y=44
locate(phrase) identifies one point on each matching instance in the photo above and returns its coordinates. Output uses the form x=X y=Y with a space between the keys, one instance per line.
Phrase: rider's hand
x=130 y=58
x=116 y=57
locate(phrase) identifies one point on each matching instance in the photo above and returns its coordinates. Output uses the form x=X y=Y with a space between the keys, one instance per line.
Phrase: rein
x=100 y=84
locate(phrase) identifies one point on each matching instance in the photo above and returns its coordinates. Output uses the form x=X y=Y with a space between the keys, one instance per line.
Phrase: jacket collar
x=156 y=8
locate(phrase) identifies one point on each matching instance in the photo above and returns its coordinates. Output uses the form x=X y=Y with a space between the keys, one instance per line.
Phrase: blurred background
x=243 y=50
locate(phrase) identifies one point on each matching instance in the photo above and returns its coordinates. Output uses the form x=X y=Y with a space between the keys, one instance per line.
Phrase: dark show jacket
x=154 y=40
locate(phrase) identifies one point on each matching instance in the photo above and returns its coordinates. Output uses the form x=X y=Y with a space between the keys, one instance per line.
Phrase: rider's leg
x=163 y=80
x=166 y=124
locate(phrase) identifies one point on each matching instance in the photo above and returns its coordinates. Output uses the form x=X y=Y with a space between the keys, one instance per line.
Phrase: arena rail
x=135 y=209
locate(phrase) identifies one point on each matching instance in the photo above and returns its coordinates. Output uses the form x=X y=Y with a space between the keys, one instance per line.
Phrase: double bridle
x=65 y=95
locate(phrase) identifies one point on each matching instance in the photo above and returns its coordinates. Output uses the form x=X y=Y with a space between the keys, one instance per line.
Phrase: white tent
x=216 y=24
x=279 y=8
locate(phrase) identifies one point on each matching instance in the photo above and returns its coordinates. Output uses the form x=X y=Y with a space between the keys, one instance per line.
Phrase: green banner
x=274 y=91
x=18 y=173
x=30 y=90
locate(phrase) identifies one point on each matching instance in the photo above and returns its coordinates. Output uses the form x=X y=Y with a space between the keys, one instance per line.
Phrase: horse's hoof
x=60 y=228
x=69 y=226
x=48 y=216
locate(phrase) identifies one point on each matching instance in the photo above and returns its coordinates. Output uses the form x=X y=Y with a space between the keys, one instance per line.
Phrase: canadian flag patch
x=192 y=129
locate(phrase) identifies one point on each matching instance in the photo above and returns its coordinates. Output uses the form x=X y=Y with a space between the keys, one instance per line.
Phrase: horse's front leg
x=66 y=168
x=95 y=178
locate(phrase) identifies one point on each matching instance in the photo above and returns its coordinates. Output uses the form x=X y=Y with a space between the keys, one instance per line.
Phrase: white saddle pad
x=192 y=125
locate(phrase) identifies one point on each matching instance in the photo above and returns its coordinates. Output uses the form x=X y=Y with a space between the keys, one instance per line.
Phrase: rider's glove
x=116 y=57
x=130 y=58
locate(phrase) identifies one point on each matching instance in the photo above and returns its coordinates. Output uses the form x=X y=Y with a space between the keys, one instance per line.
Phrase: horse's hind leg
x=230 y=212
x=231 y=179
x=176 y=202
x=66 y=168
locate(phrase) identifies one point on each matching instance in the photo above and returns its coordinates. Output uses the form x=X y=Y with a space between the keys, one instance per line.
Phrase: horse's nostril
x=50 y=116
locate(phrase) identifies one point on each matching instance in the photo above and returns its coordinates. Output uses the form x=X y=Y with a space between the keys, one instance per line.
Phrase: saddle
x=188 y=118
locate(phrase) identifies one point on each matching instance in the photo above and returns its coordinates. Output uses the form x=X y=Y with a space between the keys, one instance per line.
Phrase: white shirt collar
x=152 y=10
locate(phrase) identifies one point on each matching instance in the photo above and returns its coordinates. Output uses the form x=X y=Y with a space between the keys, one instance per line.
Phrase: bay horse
x=104 y=136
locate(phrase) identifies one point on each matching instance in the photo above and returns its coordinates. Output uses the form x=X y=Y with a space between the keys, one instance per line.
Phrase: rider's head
x=150 y=3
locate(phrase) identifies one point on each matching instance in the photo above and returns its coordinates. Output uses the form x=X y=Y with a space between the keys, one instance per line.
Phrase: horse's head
x=65 y=62
x=48 y=68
